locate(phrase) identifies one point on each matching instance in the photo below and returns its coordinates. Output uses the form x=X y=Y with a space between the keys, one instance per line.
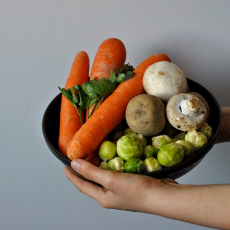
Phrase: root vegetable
x=69 y=119
x=145 y=114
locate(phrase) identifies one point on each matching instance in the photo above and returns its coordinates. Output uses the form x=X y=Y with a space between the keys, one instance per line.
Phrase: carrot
x=111 y=55
x=69 y=118
x=94 y=158
x=110 y=113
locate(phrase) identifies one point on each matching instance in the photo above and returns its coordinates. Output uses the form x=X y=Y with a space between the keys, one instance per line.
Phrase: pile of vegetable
x=130 y=120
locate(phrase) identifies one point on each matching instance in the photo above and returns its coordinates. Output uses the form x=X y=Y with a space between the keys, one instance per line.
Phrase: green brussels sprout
x=170 y=154
x=143 y=139
x=169 y=130
x=116 y=164
x=152 y=164
x=206 y=130
x=129 y=146
x=150 y=151
x=197 y=139
x=188 y=148
x=160 y=140
x=180 y=136
x=107 y=150
x=134 y=165
x=128 y=131
x=104 y=165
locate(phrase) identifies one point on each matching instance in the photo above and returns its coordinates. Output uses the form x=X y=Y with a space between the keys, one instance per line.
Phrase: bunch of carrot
x=78 y=141
x=111 y=55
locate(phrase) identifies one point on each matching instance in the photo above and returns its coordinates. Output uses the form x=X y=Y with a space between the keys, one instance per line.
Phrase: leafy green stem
x=95 y=107
x=79 y=113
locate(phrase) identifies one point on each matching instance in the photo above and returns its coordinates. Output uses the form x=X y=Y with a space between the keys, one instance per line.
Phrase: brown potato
x=145 y=114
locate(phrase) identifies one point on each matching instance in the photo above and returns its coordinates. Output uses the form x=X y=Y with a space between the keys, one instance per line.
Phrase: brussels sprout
x=104 y=165
x=170 y=154
x=134 y=165
x=169 y=130
x=152 y=164
x=128 y=131
x=129 y=146
x=107 y=150
x=197 y=139
x=188 y=148
x=206 y=130
x=160 y=140
x=150 y=151
x=116 y=164
x=143 y=139
x=180 y=136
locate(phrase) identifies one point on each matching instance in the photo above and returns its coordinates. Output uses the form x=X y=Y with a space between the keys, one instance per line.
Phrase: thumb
x=91 y=172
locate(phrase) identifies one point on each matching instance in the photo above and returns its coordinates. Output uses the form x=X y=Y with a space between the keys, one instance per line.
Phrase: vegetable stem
x=94 y=108
x=79 y=113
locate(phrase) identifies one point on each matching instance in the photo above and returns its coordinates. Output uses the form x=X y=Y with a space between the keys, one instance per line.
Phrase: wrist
x=225 y=127
x=161 y=195
x=206 y=205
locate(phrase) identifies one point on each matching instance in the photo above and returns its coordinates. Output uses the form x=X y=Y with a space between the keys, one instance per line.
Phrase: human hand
x=163 y=197
x=124 y=191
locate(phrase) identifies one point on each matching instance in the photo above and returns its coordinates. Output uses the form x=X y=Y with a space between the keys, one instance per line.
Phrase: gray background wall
x=38 y=42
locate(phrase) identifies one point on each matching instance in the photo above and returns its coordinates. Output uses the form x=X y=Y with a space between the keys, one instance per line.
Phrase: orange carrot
x=110 y=113
x=94 y=158
x=111 y=55
x=69 y=118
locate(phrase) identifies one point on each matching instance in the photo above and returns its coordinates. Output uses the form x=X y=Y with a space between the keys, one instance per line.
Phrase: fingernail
x=75 y=164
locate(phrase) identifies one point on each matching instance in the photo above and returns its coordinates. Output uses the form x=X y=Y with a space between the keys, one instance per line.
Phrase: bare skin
x=225 y=128
x=207 y=205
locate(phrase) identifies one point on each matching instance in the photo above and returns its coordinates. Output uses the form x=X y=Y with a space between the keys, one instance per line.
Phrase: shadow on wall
x=201 y=58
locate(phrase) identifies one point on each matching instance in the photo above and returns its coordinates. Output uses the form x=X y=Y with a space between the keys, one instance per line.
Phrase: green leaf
x=126 y=68
x=77 y=88
x=110 y=89
x=128 y=75
x=101 y=86
x=83 y=98
x=75 y=98
x=128 y=71
x=120 y=78
x=92 y=101
x=88 y=88
x=112 y=76
x=69 y=94
x=81 y=95
x=125 y=73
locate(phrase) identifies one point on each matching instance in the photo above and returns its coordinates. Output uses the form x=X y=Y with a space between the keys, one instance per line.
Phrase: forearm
x=225 y=128
x=207 y=205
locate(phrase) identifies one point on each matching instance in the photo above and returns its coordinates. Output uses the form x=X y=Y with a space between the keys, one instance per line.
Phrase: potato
x=145 y=114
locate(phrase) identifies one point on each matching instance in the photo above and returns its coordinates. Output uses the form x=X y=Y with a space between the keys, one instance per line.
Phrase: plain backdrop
x=38 y=42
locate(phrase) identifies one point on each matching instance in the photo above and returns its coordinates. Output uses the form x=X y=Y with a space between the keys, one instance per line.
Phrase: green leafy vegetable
x=79 y=100
x=95 y=92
